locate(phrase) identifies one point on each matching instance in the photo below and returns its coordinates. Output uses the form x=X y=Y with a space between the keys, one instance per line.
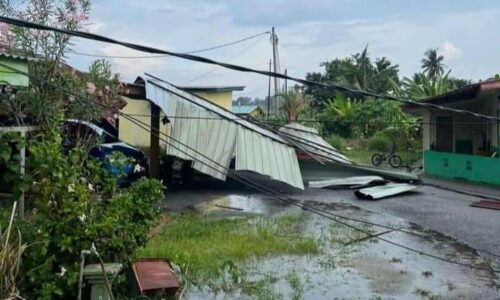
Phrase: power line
x=201 y=59
x=258 y=186
x=216 y=68
x=298 y=203
x=329 y=215
x=158 y=56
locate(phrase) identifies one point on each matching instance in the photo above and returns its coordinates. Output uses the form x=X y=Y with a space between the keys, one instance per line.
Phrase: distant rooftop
x=244 y=109
x=468 y=92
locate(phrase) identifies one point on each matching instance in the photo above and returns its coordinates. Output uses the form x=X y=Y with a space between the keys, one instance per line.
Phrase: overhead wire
x=201 y=59
x=329 y=215
x=217 y=67
x=165 y=55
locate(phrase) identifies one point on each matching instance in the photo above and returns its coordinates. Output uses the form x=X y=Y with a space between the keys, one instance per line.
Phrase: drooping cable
x=96 y=37
x=329 y=215
x=165 y=55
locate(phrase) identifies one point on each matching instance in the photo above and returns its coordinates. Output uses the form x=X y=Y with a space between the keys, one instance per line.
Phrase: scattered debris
x=348 y=181
x=229 y=207
x=164 y=219
x=390 y=189
x=487 y=204
x=155 y=275
x=396 y=260
x=427 y=274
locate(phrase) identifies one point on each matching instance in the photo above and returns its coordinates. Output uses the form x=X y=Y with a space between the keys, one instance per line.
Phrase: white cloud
x=129 y=68
x=450 y=51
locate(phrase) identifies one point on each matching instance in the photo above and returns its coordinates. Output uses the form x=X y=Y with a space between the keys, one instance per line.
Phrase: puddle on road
x=347 y=269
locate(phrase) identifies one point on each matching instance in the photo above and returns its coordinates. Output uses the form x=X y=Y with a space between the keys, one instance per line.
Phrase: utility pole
x=286 y=83
x=274 y=41
x=269 y=91
x=154 y=149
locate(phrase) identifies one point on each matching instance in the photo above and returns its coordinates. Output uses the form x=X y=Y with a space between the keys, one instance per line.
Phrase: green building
x=461 y=146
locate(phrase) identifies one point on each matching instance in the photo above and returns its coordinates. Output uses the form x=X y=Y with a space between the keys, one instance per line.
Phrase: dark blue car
x=133 y=167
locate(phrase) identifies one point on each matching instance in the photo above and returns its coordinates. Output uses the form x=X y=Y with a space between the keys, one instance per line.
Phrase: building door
x=444 y=134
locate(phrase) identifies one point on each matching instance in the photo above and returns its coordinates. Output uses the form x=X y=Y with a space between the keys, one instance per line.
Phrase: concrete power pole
x=269 y=92
x=274 y=41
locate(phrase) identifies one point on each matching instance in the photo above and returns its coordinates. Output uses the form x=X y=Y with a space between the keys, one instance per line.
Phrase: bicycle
x=394 y=160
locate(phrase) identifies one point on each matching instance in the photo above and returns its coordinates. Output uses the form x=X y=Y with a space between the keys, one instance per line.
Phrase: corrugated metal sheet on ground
x=382 y=191
x=348 y=181
x=312 y=142
x=208 y=138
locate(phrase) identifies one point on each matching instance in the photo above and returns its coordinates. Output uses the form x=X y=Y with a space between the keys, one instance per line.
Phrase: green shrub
x=74 y=202
x=380 y=142
x=336 y=141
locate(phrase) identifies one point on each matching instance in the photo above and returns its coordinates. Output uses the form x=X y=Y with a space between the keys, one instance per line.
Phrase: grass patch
x=210 y=249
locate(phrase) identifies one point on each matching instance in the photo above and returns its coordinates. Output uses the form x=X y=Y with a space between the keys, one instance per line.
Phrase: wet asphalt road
x=444 y=211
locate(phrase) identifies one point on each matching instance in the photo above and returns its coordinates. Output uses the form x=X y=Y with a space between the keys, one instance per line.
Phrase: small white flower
x=39 y=231
x=91 y=187
x=138 y=168
x=82 y=218
x=63 y=271
x=71 y=188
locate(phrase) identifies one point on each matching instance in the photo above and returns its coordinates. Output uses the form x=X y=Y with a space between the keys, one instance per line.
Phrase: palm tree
x=432 y=64
x=421 y=87
x=294 y=102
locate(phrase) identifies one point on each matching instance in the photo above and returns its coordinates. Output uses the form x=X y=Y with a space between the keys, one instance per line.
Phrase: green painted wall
x=11 y=77
x=460 y=166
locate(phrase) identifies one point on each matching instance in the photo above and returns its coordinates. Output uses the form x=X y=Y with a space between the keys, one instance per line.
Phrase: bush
x=74 y=202
x=336 y=141
x=380 y=142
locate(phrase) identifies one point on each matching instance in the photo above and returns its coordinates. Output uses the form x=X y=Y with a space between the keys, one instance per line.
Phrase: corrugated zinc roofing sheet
x=202 y=137
x=309 y=138
x=264 y=156
x=211 y=133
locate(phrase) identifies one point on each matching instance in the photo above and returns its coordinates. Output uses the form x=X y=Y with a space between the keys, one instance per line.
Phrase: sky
x=309 y=32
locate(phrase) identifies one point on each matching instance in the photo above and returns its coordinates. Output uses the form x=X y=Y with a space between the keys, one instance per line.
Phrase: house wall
x=134 y=134
x=12 y=78
x=465 y=127
x=224 y=99
x=459 y=166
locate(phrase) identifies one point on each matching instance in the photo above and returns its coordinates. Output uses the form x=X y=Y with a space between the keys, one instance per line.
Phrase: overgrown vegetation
x=71 y=200
x=11 y=251
x=210 y=250
x=74 y=203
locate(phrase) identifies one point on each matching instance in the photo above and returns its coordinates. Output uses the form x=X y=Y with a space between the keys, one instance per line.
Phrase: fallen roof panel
x=390 y=189
x=209 y=135
x=312 y=142
x=348 y=181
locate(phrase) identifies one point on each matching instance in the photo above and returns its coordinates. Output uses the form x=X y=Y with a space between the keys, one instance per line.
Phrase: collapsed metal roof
x=210 y=135
x=313 y=143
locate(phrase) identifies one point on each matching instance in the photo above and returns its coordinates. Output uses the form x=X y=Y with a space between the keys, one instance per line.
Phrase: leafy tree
x=338 y=114
x=243 y=101
x=357 y=71
x=432 y=64
x=42 y=103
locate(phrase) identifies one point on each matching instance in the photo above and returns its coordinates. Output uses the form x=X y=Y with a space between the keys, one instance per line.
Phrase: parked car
x=136 y=162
